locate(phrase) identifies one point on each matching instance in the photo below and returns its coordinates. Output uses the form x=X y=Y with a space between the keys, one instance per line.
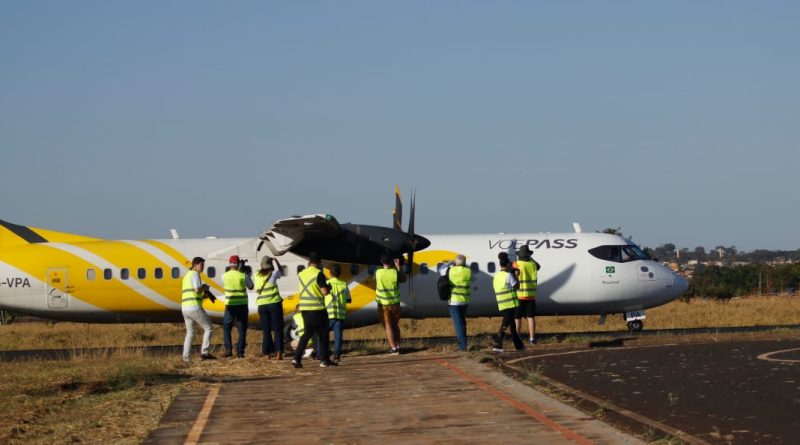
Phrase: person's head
x=505 y=263
x=460 y=260
x=233 y=262
x=524 y=253
x=336 y=270
x=386 y=260
x=198 y=264
x=502 y=255
x=313 y=258
x=266 y=263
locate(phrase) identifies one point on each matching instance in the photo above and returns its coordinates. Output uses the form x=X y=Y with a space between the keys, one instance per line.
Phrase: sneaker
x=323 y=364
x=296 y=364
x=207 y=357
x=532 y=341
x=496 y=349
x=186 y=359
x=394 y=351
x=337 y=358
x=227 y=354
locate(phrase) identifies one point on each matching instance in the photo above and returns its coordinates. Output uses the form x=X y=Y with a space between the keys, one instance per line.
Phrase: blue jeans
x=459 y=316
x=235 y=315
x=337 y=326
x=271 y=316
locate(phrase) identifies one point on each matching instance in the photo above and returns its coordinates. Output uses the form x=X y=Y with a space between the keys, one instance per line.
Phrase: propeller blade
x=397 y=213
x=413 y=242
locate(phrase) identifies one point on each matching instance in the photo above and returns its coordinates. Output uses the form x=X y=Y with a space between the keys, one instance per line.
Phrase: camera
x=243 y=267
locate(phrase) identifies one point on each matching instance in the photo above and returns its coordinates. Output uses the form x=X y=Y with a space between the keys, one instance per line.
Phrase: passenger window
x=490 y=267
x=474 y=266
x=300 y=268
x=211 y=272
x=354 y=269
x=91 y=274
x=371 y=270
x=423 y=269
x=158 y=273
x=124 y=273
x=176 y=273
x=439 y=267
x=141 y=273
x=284 y=270
x=107 y=274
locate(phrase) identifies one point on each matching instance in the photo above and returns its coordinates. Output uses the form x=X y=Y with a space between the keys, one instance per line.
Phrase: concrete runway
x=734 y=390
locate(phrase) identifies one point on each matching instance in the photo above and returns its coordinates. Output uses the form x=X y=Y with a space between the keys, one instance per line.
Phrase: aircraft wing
x=289 y=232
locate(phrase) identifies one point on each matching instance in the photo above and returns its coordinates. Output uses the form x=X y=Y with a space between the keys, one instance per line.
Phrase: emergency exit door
x=56 y=284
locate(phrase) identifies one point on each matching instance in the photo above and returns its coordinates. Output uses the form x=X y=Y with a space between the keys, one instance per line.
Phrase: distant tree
x=700 y=253
x=613 y=231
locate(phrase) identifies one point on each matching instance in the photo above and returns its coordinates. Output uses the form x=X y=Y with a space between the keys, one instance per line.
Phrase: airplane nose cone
x=680 y=284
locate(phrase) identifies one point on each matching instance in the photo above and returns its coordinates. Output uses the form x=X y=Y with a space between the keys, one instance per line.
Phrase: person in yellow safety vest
x=192 y=294
x=528 y=271
x=236 y=283
x=460 y=282
x=270 y=307
x=505 y=285
x=336 y=304
x=387 y=295
x=313 y=288
x=296 y=330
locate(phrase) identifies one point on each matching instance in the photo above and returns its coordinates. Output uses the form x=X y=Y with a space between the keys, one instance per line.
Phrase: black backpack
x=443 y=286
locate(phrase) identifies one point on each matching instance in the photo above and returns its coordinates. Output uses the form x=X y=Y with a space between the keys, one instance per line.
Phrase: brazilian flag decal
x=610 y=269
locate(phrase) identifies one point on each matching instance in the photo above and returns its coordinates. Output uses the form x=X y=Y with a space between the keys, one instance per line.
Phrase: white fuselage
x=85 y=281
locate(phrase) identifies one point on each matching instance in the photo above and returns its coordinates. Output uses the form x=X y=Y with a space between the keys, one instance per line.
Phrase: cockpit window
x=619 y=254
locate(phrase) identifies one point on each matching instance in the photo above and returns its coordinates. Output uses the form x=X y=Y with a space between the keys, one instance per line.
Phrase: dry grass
x=108 y=395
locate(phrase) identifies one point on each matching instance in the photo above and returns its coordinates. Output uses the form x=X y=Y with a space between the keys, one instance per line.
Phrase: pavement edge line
x=527 y=409
x=202 y=416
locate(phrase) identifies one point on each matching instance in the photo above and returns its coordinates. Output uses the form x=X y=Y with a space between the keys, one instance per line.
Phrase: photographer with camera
x=270 y=307
x=236 y=281
x=193 y=292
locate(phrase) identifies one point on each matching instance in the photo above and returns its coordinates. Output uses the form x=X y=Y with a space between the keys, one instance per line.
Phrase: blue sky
x=677 y=121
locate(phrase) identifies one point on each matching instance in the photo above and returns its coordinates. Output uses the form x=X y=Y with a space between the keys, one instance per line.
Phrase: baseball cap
x=234 y=259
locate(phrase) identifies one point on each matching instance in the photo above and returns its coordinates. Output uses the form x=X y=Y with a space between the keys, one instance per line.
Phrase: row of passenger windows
x=424 y=268
x=141 y=273
x=175 y=272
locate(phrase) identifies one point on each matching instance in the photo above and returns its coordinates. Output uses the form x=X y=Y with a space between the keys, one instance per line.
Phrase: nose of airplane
x=679 y=284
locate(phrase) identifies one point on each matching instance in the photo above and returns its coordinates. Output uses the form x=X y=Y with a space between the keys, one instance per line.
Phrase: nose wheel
x=635 y=326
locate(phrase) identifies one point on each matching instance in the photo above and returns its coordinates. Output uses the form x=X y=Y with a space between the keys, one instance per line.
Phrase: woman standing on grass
x=270 y=307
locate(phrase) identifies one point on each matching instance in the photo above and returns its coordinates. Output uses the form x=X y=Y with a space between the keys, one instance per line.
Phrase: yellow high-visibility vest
x=506 y=298
x=460 y=278
x=387 y=290
x=336 y=300
x=267 y=293
x=189 y=298
x=235 y=288
x=311 y=298
x=527 y=280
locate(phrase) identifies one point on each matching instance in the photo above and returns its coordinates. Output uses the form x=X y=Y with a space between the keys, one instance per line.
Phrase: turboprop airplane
x=77 y=278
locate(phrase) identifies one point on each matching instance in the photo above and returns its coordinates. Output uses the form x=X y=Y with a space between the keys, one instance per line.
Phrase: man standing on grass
x=193 y=292
x=387 y=294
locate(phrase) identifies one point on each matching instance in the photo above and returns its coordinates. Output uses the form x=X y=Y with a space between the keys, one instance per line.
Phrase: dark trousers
x=235 y=315
x=315 y=323
x=337 y=326
x=271 y=316
x=459 y=316
x=508 y=322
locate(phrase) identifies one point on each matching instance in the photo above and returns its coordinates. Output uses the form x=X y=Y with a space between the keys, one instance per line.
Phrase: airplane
x=70 y=277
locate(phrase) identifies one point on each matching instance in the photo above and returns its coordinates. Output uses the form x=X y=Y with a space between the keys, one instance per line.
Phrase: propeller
x=413 y=241
x=397 y=213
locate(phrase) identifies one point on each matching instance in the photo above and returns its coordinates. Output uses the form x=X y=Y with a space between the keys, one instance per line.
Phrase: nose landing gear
x=635 y=326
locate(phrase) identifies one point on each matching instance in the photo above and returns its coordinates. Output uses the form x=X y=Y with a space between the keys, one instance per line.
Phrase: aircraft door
x=56 y=281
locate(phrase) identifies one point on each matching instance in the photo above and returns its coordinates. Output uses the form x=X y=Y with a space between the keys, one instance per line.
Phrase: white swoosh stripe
x=101 y=263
